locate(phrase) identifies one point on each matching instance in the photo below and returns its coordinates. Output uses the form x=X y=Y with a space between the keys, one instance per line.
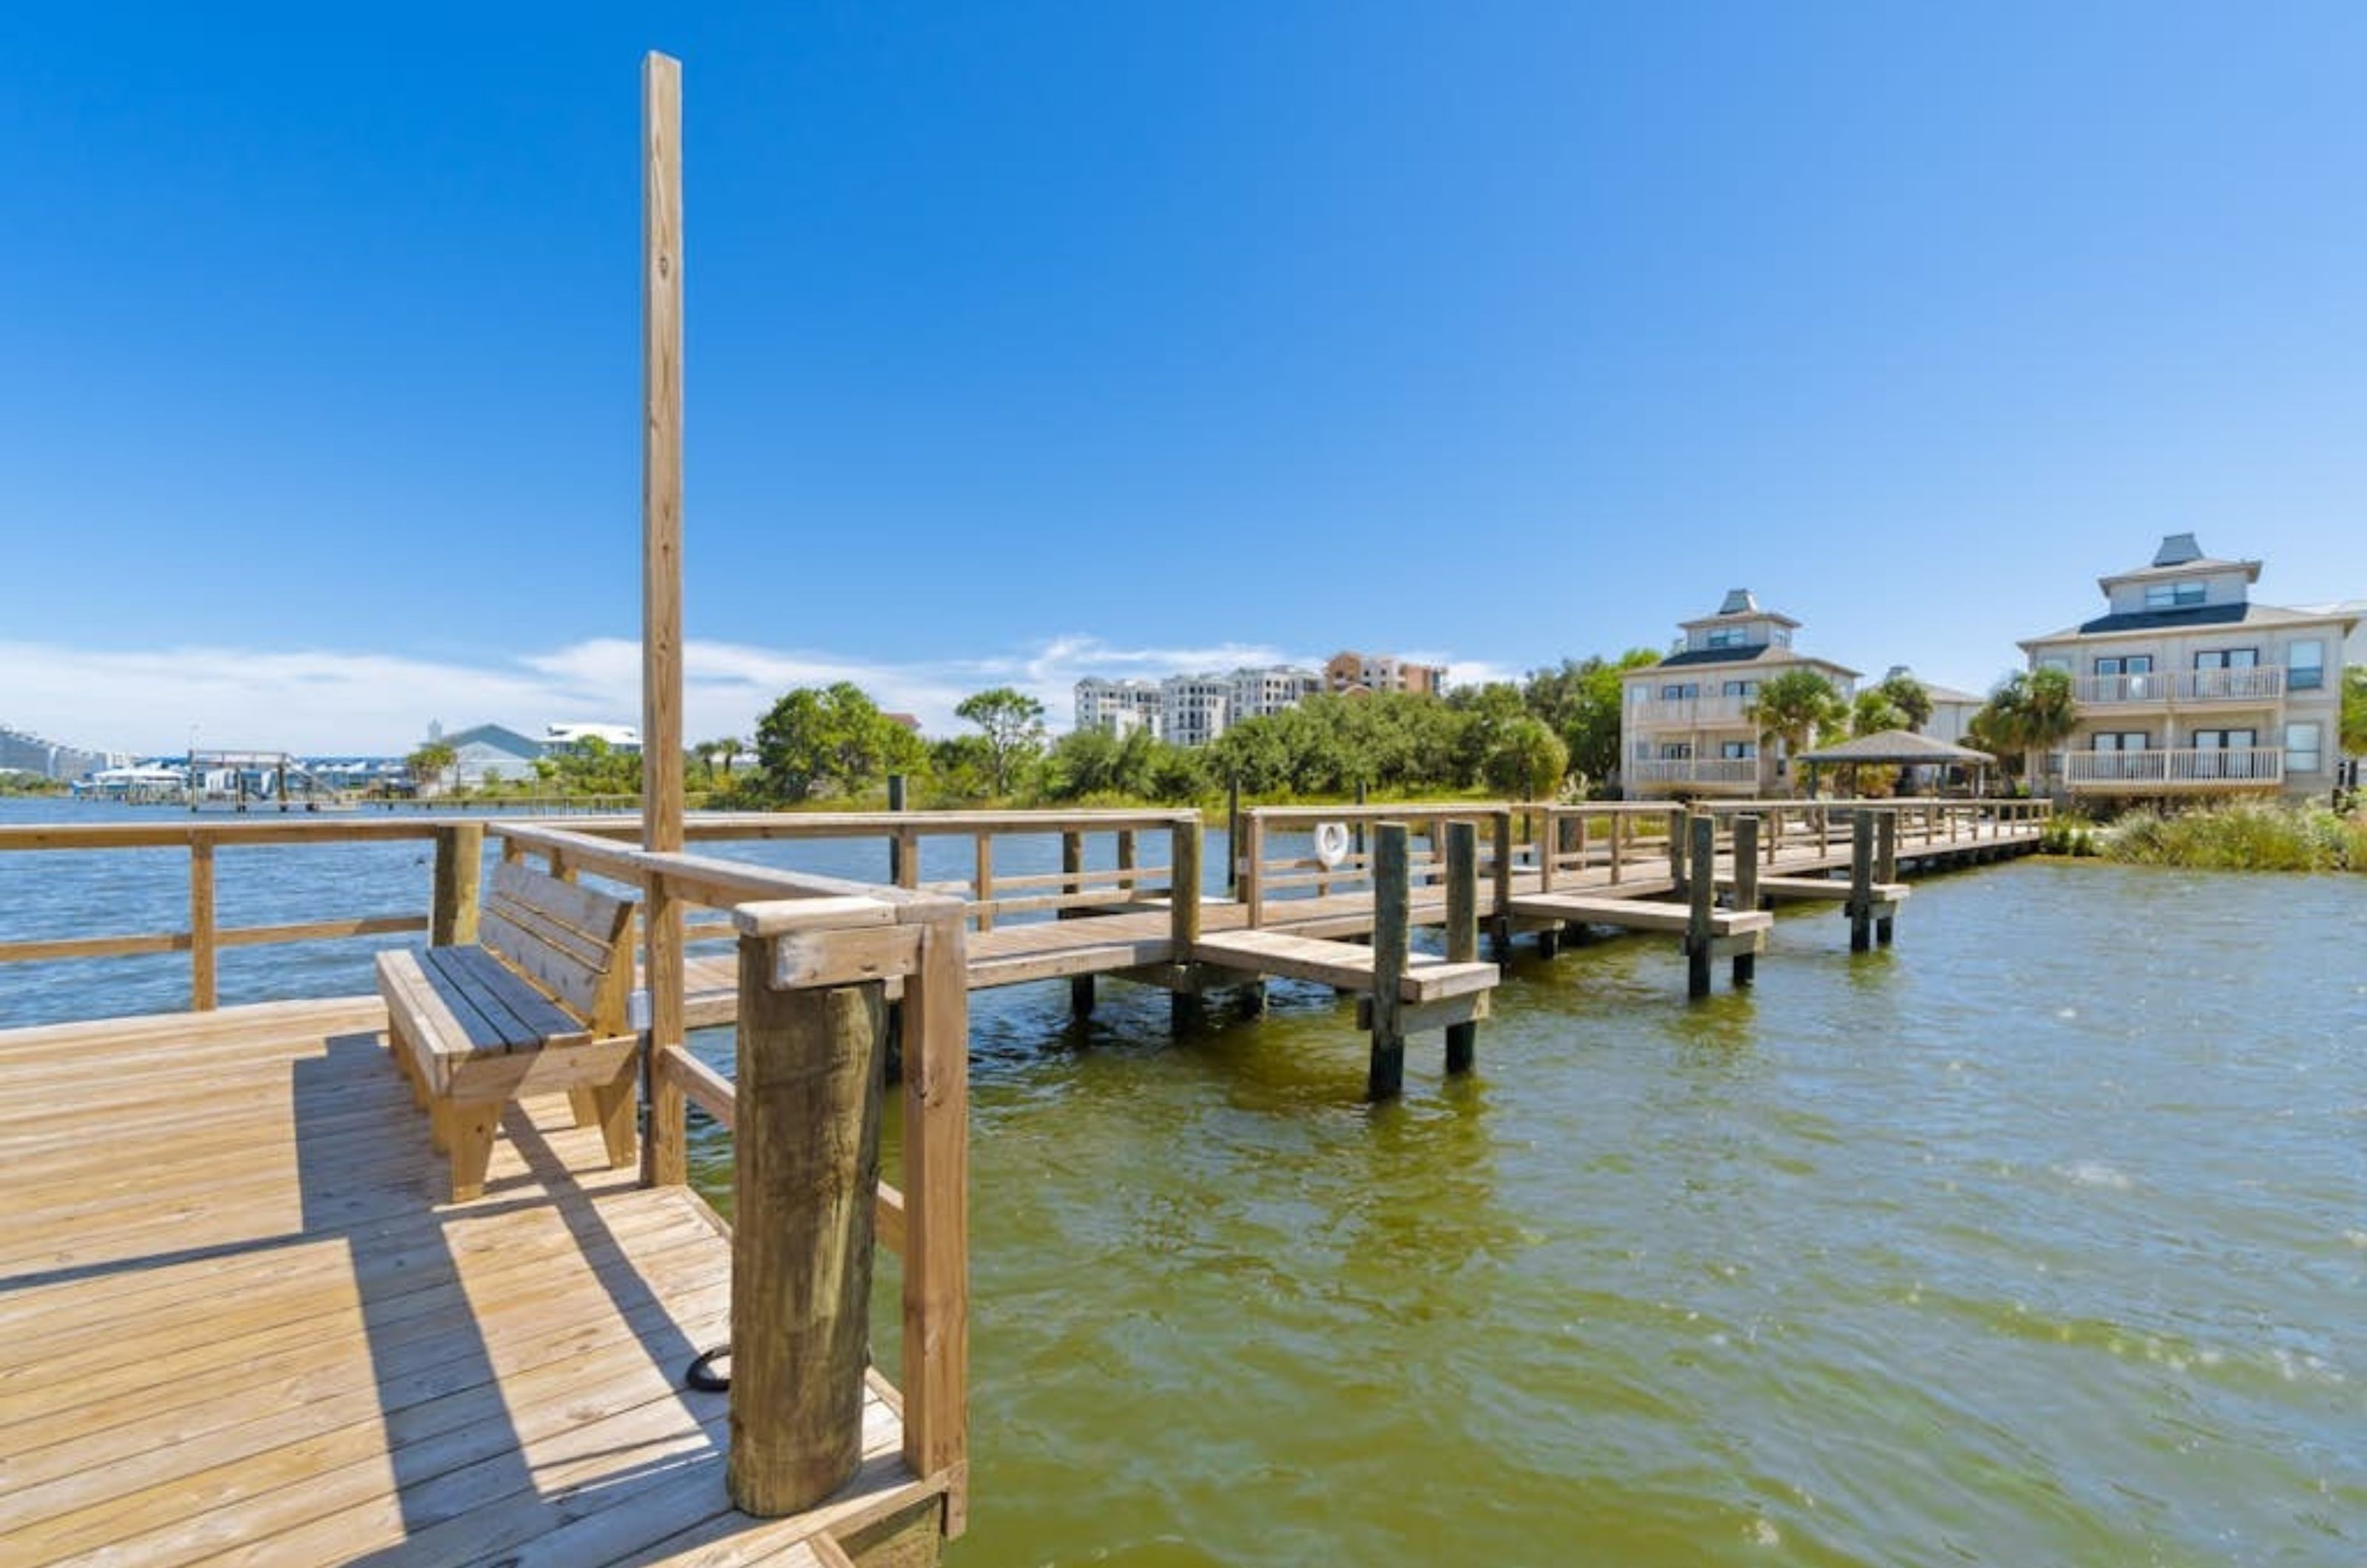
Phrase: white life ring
x=1330 y=843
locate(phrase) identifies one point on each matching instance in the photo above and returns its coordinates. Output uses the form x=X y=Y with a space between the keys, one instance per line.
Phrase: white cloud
x=330 y=700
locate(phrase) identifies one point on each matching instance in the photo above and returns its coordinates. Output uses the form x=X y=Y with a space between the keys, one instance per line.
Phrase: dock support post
x=459 y=858
x=1183 y=919
x=1462 y=931
x=1745 y=888
x=1233 y=837
x=1701 y=892
x=1618 y=842
x=1392 y=893
x=1861 y=895
x=1249 y=848
x=1499 y=924
x=201 y=925
x=1886 y=868
x=1073 y=866
x=1360 y=820
x=901 y=863
x=1678 y=816
x=805 y=1167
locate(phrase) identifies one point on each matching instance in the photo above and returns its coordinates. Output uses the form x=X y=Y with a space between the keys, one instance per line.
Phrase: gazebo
x=1898 y=747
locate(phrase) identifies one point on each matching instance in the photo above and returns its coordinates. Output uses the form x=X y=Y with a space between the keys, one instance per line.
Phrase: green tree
x=1013 y=725
x=1580 y=699
x=1796 y=710
x=2353 y=727
x=1908 y=695
x=1874 y=712
x=837 y=736
x=1526 y=760
x=431 y=761
x=2030 y=712
x=963 y=766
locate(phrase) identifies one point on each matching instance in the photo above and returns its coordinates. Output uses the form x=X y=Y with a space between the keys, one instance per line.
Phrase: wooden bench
x=539 y=1008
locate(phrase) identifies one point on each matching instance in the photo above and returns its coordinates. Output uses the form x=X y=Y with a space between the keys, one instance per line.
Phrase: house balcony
x=2180 y=687
x=1732 y=775
x=2199 y=768
x=1677 y=712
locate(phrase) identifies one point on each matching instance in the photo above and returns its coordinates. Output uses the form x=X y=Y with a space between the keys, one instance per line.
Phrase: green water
x=2041 y=1239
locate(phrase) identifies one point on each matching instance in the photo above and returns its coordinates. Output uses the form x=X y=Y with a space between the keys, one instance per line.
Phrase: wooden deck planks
x=236 y=1326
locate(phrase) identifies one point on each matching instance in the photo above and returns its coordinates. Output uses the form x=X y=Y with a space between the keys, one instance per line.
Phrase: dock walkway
x=236 y=1325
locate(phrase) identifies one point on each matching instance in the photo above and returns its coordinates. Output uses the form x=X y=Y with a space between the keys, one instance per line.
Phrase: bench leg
x=469 y=1130
x=399 y=1047
x=614 y=1104
x=586 y=1103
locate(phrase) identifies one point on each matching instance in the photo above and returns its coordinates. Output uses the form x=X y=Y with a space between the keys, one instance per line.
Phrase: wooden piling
x=1701 y=900
x=1233 y=837
x=1677 y=819
x=1184 y=921
x=1248 y=849
x=1745 y=888
x=1073 y=866
x=1462 y=931
x=902 y=862
x=982 y=882
x=805 y=1166
x=460 y=868
x=1860 y=896
x=1392 y=896
x=1886 y=869
x=1499 y=924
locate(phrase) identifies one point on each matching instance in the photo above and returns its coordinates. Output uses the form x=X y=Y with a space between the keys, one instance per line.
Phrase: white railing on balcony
x=1692 y=710
x=1695 y=770
x=2178 y=767
x=2257 y=684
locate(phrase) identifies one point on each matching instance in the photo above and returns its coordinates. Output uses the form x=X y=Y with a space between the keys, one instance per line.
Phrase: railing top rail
x=728 y=884
x=1397 y=811
x=188 y=830
x=698 y=825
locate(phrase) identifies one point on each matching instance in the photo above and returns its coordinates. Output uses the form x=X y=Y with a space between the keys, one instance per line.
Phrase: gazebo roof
x=1902 y=746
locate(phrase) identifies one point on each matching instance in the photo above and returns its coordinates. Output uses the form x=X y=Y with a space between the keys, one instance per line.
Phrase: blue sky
x=1033 y=341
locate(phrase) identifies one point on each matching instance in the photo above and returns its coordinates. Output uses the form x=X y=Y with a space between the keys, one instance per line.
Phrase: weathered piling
x=1745 y=888
x=460 y=862
x=1701 y=898
x=1392 y=897
x=1860 y=906
x=1886 y=872
x=1462 y=931
x=1073 y=866
x=1184 y=923
x=805 y=1167
x=1500 y=923
x=1677 y=819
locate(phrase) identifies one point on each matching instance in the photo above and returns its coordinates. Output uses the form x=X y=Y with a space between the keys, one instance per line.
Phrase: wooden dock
x=236 y=1323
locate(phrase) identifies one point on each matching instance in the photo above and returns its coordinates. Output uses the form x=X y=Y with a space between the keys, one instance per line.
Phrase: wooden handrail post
x=202 y=924
x=1184 y=921
x=1745 y=888
x=1462 y=931
x=1072 y=868
x=903 y=857
x=982 y=890
x=812 y=1069
x=1250 y=848
x=1885 y=870
x=1861 y=896
x=1233 y=837
x=1618 y=844
x=1549 y=849
x=460 y=868
x=1499 y=919
x=1678 y=816
x=1701 y=895
x=936 y=1216
x=1392 y=892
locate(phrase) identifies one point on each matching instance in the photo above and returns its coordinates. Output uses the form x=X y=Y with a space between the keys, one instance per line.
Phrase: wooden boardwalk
x=236 y=1325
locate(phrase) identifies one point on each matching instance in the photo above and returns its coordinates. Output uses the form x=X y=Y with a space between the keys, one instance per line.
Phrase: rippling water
x=2039 y=1239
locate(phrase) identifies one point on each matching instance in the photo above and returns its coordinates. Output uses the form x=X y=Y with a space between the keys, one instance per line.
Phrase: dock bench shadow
x=538 y=1006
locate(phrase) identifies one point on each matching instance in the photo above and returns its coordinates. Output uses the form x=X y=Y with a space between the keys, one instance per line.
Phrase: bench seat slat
x=458 y=983
x=534 y=1018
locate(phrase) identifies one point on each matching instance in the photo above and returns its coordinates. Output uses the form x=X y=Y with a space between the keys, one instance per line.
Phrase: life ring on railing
x=1330 y=843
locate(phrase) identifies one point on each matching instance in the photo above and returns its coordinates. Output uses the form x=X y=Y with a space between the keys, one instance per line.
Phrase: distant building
x=1121 y=706
x=1256 y=693
x=2185 y=686
x=1194 y=709
x=23 y=752
x=1685 y=724
x=1349 y=672
x=1952 y=709
x=486 y=754
x=564 y=735
x=905 y=721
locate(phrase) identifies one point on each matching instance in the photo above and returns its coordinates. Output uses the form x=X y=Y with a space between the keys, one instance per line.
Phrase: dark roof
x=1894 y=746
x=1715 y=656
x=2151 y=620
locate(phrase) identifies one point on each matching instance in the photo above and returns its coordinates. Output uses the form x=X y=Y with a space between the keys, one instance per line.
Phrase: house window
x=1741 y=688
x=2228 y=659
x=1726 y=636
x=1738 y=750
x=2305 y=666
x=2056 y=661
x=2302 y=753
x=2127 y=664
x=1678 y=693
x=2119 y=741
x=2172 y=595
x=1676 y=751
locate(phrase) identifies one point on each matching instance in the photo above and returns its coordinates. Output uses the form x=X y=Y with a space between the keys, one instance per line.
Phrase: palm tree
x=2030 y=712
x=1796 y=709
x=727 y=749
x=429 y=763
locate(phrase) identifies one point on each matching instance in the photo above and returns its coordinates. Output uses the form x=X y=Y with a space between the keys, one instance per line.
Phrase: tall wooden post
x=1392 y=892
x=1072 y=867
x=982 y=883
x=1701 y=892
x=903 y=866
x=1183 y=921
x=1678 y=816
x=661 y=782
x=1360 y=820
x=1499 y=917
x=935 y=1373
x=1249 y=851
x=1885 y=870
x=201 y=925
x=805 y=1166
x=1233 y=837
x=459 y=867
x=1618 y=845
x=1745 y=888
x=1861 y=895
x=1462 y=931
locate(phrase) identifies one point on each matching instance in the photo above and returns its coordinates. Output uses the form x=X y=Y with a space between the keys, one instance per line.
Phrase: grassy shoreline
x=2241 y=836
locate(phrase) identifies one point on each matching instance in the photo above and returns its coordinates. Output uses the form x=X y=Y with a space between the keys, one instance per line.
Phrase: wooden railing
x=2260 y=684
x=1694 y=770
x=1692 y=710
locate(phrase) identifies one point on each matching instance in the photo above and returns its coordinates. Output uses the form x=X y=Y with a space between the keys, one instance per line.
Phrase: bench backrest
x=574 y=941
